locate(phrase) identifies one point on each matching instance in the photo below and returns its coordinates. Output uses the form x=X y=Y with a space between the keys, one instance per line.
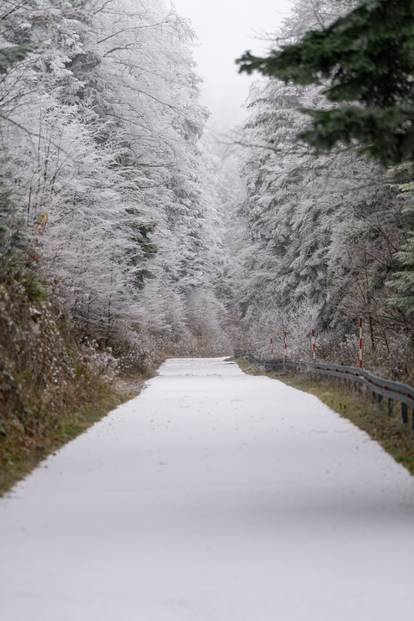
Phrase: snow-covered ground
x=214 y=496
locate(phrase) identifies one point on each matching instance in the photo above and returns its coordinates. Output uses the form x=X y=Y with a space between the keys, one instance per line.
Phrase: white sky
x=226 y=28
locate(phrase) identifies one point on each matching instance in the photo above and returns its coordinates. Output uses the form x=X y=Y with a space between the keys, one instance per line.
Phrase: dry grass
x=21 y=452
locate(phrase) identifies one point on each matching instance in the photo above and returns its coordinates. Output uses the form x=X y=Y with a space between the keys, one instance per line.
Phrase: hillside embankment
x=53 y=383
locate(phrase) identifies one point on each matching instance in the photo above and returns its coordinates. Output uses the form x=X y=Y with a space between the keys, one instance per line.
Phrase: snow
x=214 y=496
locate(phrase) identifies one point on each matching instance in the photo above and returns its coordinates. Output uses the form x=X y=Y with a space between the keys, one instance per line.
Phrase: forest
x=206 y=320
x=329 y=207
x=129 y=234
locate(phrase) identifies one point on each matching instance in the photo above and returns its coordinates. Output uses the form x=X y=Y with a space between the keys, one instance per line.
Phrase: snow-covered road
x=214 y=496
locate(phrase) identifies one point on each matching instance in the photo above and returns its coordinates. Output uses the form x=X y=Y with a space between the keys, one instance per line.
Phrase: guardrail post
x=378 y=399
x=390 y=407
x=404 y=413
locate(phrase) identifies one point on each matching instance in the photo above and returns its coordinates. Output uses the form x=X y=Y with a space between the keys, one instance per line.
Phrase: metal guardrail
x=380 y=389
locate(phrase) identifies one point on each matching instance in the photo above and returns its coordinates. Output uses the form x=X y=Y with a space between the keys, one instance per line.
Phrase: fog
x=225 y=29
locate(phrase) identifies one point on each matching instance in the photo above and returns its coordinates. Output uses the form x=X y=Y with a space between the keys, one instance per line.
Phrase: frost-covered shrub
x=100 y=362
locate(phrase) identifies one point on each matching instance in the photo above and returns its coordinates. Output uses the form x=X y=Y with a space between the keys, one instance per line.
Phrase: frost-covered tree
x=322 y=233
x=101 y=126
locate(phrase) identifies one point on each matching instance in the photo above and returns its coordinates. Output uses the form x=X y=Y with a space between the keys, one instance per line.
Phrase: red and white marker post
x=361 y=344
x=313 y=344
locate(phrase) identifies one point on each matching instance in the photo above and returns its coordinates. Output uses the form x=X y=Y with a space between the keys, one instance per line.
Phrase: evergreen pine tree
x=11 y=55
x=404 y=280
x=365 y=61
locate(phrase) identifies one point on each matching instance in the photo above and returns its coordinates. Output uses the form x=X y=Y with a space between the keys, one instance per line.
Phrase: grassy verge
x=388 y=431
x=20 y=453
